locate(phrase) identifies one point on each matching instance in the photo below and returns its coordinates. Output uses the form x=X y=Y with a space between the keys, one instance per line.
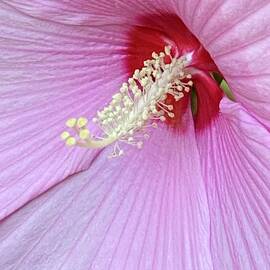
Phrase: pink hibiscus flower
x=196 y=196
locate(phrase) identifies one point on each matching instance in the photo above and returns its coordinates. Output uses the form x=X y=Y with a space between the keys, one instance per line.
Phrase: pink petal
x=223 y=27
x=58 y=60
x=43 y=69
x=51 y=72
x=236 y=33
x=134 y=212
x=235 y=156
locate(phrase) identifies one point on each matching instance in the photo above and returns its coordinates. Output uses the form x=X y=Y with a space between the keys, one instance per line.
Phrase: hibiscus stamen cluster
x=139 y=105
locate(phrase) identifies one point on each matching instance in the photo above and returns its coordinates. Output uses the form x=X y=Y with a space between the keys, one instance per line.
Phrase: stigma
x=139 y=105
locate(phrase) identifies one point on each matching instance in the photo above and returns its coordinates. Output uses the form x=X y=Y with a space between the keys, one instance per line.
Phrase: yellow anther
x=167 y=50
x=136 y=106
x=82 y=121
x=162 y=118
x=71 y=122
x=130 y=139
x=65 y=135
x=71 y=141
x=154 y=55
x=84 y=134
x=162 y=54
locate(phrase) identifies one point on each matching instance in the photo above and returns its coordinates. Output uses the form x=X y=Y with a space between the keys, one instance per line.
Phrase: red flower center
x=152 y=34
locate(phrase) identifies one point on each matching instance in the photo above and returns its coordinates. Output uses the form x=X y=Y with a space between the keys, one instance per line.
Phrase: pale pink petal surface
x=237 y=35
x=235 y=156
x=49 y=72
x=62 y=59
x=129 y=213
